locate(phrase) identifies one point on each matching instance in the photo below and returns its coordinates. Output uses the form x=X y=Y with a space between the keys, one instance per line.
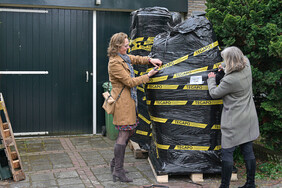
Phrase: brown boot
x=119 y=160
x=113 y=166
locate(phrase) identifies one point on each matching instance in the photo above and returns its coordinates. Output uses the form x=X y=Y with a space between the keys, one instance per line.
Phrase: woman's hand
x=153 y=71
x=211 y=75
x=156 y=62
x=220 y=68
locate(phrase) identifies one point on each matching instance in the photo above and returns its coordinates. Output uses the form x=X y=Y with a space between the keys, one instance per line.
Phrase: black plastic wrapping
x=146 y=23
x=186 y=120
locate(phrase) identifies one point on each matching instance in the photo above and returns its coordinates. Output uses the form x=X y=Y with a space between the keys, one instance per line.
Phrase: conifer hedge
x=255 y=27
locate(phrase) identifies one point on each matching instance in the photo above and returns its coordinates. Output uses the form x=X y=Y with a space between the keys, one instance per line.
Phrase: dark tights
x=123 y=137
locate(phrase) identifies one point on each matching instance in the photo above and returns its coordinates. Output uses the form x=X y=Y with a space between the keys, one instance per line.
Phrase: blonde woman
x=239 y=122
x=124 y=84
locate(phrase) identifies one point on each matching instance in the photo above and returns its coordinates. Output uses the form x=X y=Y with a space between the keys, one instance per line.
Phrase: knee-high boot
x=112 y=163
x=119 y=160
x=226 y=173
x=251 y=172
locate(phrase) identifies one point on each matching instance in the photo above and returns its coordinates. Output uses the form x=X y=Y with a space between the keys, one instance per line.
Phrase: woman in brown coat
x=122 y=77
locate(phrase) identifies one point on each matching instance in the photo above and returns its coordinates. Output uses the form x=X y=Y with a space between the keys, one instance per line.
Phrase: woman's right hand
x=153 y=72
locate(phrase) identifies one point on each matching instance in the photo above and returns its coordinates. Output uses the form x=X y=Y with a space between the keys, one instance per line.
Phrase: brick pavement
x=83 y=161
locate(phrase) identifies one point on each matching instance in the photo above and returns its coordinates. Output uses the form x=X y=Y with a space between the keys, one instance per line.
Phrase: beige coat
x=119 y=75
x=239 y=121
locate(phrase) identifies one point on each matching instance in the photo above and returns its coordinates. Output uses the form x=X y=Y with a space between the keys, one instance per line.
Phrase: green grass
x=264 y=169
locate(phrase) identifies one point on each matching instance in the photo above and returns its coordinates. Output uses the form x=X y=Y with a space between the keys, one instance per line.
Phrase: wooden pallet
x=137 y=151
x=9 y=142
x=195 y=177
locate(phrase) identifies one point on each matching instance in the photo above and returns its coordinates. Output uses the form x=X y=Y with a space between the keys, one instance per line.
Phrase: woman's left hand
x=156 y=62
x=211 y=75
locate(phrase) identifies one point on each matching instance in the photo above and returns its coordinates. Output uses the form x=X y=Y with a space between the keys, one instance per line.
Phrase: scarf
x=133 y=91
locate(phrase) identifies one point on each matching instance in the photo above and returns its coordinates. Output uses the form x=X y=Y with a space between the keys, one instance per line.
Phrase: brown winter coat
x=119 y=75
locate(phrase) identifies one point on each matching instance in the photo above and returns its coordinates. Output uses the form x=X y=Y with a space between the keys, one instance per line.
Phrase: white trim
x=24 y=72
x=94 y=72
x=23 y=10
x=31 y=133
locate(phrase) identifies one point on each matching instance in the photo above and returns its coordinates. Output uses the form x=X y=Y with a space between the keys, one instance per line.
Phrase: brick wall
x=196 y=6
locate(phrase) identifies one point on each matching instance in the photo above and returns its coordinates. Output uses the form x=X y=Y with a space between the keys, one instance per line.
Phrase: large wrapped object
x=186 y=120
x=146 y=23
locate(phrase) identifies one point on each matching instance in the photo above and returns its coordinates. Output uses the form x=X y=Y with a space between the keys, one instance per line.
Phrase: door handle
x=87 y=76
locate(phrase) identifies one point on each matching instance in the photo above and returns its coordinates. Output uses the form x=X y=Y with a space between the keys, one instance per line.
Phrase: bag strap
x=119 y=94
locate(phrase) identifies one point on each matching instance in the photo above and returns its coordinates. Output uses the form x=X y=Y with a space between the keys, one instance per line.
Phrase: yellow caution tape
x=188 y=147
x=181 y=59
x=160 y=146
x=172 y=63
x=170 y=102
x=207 y=102
x=135 y=72
x=215 y=127
x=217 y=65
x=206 y=48
x=157 y=119
x=150 y=40
x=178 y=122
x=137 y=44
x=186 y=73
x=196 y=87
x=152 y=86
x=142 y=132
x=158 y=79
x=140 y=89
x=144 y=119
x=188 y=123
x=1 y=105
x=217 y=147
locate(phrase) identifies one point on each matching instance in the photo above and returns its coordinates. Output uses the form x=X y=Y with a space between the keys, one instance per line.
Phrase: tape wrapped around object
x=186 y=135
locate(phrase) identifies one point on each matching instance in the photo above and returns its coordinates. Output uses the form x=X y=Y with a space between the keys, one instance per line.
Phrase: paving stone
x=69 y=181
x=104 y=177
x=134 y=175
x=51 y=141
x=100 y=170
x=42 y=177
x=53 y=147
x=41 y=167
x=111 y=184
x=20 y=185
x=68 y=174
x=99 y=144
x=48 y=183
x=143 y=166
x=140 y=181
x=57 y=166
x=73 y=186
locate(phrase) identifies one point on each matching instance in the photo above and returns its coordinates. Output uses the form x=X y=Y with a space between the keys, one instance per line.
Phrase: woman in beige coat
x=239 y=122
x=123 y=81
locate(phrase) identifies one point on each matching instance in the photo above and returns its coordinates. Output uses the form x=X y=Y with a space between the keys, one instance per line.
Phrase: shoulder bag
x=109 y=103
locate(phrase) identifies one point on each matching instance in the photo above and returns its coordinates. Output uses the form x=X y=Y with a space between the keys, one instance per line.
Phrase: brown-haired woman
x=121 y=75
x=239 y=121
